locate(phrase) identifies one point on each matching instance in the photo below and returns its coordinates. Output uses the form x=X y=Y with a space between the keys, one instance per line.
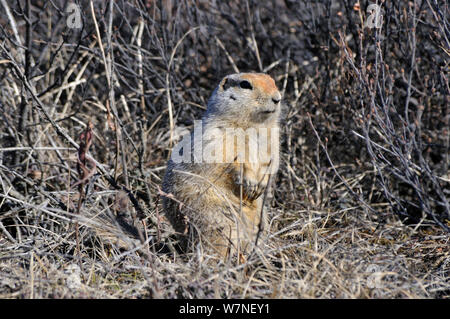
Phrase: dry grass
x=360 y=207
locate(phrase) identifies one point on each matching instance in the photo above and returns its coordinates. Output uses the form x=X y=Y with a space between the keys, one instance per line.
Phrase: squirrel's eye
x=245 y=85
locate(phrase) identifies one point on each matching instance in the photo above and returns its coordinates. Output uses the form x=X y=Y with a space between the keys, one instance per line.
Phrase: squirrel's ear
x=224 y=84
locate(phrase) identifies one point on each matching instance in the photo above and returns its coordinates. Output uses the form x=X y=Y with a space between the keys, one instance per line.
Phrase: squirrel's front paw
x=251 y=188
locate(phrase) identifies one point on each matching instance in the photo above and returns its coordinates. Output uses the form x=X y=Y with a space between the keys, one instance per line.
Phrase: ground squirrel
x=217 y=175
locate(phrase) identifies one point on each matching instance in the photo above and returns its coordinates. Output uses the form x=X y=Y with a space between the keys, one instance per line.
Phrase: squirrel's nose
x=277 y=98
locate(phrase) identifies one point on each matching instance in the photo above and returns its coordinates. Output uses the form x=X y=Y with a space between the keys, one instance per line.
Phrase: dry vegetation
x=88 y=115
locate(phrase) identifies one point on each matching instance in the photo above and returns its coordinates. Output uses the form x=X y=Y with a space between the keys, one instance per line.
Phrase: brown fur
x=219 y=204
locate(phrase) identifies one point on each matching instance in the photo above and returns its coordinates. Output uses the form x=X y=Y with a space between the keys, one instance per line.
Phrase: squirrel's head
x=250 y=97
